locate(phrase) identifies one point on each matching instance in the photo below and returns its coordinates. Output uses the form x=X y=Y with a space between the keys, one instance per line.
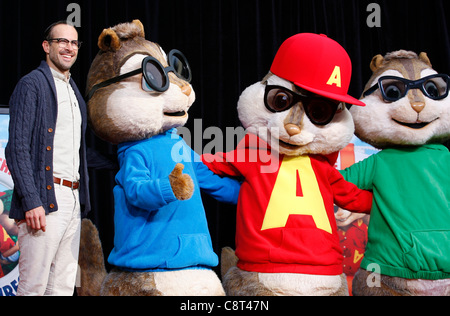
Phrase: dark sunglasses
x=320 y=111
x=395 y=88
x=154 y=75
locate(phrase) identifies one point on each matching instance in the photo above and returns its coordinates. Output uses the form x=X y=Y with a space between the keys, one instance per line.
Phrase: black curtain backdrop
x=230 y=45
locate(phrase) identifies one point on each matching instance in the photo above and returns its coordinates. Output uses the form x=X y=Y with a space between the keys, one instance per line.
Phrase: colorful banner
x=9 y=254
x=353 y=227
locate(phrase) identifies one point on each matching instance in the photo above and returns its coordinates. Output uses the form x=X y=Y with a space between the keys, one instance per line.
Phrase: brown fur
x=381 y=62
x=228 y=260
x=91 y=261
x=396 y=60
x=116 y=45
x=121 y=283
x=237 y=282
x=242 y=283
x=392 y=286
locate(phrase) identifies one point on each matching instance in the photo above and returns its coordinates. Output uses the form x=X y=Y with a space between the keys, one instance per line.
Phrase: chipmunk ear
x=424 y=57
x=141 y=26
x=109 y=41
x=376 y=62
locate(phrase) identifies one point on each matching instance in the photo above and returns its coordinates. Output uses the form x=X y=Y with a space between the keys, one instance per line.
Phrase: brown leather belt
x=66 y=183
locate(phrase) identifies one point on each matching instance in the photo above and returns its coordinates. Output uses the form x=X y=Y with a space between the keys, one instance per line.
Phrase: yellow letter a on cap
x=335 y=77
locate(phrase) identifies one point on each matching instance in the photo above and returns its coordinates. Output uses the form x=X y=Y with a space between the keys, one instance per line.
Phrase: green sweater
x=409 y=231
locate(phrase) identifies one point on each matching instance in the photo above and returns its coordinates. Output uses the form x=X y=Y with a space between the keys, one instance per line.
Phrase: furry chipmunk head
x=407 y=102
x=298 y=108
x=135 y=90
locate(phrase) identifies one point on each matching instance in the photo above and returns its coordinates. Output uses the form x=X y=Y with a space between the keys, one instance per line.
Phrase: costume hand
x=35 y=218
x=182 y=184
x=345 y=218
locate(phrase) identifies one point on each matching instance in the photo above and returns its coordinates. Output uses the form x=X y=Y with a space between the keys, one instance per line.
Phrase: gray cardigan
x=29 y=152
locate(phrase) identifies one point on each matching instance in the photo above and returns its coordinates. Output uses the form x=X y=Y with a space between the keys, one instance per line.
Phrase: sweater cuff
x=31 y=202
x=166 y=191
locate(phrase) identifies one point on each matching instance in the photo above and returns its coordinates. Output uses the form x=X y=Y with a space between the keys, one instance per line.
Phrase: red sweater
x=285 y=214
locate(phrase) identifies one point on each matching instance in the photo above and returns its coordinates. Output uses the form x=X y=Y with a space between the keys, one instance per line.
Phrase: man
x=46 y=155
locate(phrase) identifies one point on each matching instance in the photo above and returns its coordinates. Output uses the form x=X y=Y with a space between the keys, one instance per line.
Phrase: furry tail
x=229 y=260
x=92 y=264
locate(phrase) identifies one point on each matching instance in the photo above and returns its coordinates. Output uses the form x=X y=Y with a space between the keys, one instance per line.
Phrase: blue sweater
x=29 y=153
x=153 y=230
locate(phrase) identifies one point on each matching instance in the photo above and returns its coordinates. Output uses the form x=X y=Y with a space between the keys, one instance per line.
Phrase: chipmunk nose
x=292 y=129
x=293 y=120
x=186 y=89
x=418 y=106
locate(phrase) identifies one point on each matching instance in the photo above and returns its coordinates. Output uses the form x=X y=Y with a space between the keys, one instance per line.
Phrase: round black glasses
x=154 y=75
x=395 y=88
x=319 y=110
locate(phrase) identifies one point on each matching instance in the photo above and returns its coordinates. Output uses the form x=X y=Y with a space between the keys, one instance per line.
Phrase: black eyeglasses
x=154 y=75
x=320 y=111
x=64 y=42
x=395 y=88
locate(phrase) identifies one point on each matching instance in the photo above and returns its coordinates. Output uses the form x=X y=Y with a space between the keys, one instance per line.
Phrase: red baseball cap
x=316 y=63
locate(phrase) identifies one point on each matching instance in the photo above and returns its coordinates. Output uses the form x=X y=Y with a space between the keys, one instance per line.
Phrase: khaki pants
x=49 y=260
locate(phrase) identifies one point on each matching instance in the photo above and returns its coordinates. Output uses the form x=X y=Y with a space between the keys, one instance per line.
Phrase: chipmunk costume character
x=137 y=96
x=286 y=235
x=408 y=116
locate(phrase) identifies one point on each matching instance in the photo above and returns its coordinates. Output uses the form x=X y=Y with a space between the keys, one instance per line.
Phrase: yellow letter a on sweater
x=296 y=192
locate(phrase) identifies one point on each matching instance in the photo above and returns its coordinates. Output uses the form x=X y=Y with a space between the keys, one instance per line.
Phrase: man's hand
x=36 y=218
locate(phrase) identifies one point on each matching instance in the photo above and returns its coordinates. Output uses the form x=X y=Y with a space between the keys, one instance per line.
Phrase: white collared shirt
x=66 y=154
